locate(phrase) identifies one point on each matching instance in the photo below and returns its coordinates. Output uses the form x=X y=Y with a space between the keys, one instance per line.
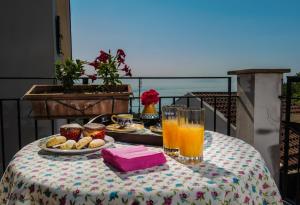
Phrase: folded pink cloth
x=132 y=158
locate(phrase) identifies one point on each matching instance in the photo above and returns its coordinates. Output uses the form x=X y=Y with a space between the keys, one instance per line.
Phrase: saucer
x=156 y=129
x=131 y=128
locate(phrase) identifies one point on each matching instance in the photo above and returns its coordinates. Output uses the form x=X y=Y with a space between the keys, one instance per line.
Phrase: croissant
x=56 y=141
x=96 y=143
x=83 y=142
x=70 y=144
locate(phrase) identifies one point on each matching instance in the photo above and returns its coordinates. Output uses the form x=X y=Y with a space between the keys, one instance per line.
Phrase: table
x=232 y=172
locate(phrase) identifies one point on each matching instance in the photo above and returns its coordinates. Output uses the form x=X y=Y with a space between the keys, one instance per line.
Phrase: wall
x=27 y=39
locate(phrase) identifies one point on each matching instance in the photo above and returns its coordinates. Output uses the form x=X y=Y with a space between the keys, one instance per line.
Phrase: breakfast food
x=56 y=140
x=70 y=144
x=76 y=139
x=83 y=142
x=71 y=131
x=94 y=130
x=96 y=143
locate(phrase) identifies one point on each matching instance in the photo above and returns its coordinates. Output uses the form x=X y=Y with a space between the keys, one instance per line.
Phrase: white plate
x=109 y=141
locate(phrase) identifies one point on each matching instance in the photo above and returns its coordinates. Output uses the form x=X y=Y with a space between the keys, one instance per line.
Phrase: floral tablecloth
x=233 y=172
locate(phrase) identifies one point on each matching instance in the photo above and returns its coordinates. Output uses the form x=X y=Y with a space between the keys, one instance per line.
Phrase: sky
x=189 y=37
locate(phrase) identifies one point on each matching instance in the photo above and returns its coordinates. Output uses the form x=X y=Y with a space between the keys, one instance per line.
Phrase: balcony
x=18 y=128
x=251 y=140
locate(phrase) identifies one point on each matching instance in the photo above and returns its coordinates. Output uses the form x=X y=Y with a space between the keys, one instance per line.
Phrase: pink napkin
x=132 y=158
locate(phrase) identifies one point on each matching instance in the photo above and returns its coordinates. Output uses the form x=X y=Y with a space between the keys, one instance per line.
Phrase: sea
x=176 y=87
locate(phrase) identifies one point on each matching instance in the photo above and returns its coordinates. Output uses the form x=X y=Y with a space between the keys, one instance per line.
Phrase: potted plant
x=77 y=100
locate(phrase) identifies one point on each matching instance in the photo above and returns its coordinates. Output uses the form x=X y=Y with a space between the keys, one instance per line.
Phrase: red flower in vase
x=150 y=97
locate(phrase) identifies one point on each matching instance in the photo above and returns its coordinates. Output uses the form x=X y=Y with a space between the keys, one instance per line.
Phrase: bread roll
x=83 y=142
x=70 y=144
x=96 y=143
x=56 y=140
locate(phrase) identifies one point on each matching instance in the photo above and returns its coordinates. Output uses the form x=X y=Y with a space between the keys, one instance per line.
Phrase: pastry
x=94 y=130
x=56 y=140
x=83 y=142
x=71 y=131
x=96 y=143
x=70 y=144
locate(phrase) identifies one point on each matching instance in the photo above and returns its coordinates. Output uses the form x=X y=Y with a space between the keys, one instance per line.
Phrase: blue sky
x=190 y=37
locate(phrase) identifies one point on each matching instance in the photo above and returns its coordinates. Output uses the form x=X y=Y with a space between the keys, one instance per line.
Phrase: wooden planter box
x=48 y=101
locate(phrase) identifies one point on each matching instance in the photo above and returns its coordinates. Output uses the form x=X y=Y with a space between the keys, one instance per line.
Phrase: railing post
x=140 y=87
x=215 y=113
x=19 y=124
x=229 y=107
x=85 y=81
x=130 y=105
x=2 y=136
x=36 y=131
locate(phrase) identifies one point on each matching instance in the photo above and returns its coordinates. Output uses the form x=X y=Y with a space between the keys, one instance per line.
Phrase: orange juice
x=191 y=140
x=170 y=137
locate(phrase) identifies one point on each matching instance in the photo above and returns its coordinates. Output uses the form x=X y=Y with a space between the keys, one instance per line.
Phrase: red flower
x=120 y=56
x=129 y=73
x=150 y=97
x=121 y=53
x=103 y=57
x=126 y=68
x=108 y=65
x=95 y=64
x=120 y=59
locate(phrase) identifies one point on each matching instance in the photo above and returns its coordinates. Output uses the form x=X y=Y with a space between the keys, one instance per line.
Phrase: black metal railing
x=19 y=119
x=290 y=173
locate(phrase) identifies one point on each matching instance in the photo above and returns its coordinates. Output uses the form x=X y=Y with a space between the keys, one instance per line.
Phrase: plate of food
x=75 y=139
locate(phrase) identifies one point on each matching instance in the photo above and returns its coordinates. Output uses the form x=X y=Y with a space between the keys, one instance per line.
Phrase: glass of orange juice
x=170 y=129
x=191 y=134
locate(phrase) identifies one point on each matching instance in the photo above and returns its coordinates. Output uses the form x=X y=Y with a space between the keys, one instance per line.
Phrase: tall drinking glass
x=191 y=134
x=170 y=129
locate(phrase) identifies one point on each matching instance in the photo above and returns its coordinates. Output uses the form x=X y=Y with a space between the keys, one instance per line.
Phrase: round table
x=232 y=172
